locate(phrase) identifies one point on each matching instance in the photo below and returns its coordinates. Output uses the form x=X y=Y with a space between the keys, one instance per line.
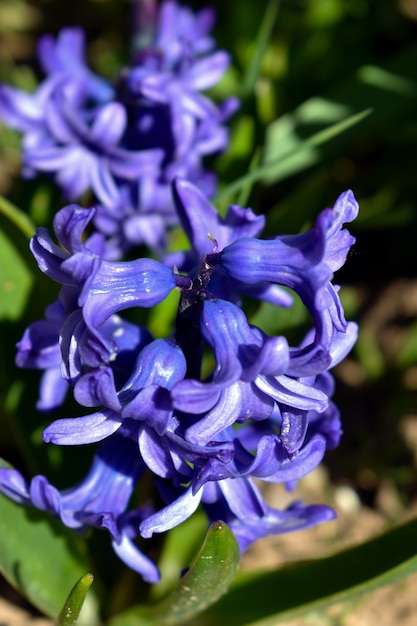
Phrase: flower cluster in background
x=125 y=142
x=217 y=404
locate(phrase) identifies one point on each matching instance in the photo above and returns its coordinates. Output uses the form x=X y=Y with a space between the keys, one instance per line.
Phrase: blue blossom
x=240 y=504
x=85 y=152
x=161 y=90
x=206 y=230
x=264 y=412
x=66 y=55
x=227 y=491
x=125 y=143
x=88 y=337
x=260 y=373
x=40 y=349
x=100 y=500
x=26 y=112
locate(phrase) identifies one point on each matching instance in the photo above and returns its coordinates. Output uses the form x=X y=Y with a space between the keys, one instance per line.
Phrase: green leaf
x=406 y=355
x=208 y=578
x=40 y=558
x=369 y=353
x=15 y=279
x=264 y=35
x=74 y=603
x=17 y=217
x=389 y=81
x=180 y=546
x=206 y=581
x=295 y=159
x=271 y=598
x=15 y=276
x=286 y=133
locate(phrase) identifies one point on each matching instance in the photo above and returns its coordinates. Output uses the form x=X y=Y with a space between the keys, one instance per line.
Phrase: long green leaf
x=299 y=157
x=264 y=35
x=267 y=599
x=206 y=581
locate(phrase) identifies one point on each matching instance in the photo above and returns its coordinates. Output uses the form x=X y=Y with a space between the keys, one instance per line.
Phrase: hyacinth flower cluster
x=207 y=436
x=123 y=142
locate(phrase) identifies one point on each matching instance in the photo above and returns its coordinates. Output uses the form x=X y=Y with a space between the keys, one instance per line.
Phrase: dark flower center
x=187 y=332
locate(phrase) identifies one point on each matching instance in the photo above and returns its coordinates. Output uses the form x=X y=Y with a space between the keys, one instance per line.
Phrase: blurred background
x=326 y=60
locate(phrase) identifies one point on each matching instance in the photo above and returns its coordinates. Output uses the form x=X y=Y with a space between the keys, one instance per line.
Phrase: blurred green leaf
x=324 y=13
x=295 y=158
x=285 y=133
x=16 y=16
x=407 y=352
x=387 y=81
x=369 y=353
x=276 y=322
x=74 y=603
x=15 y=276
x=254 y=67
x=15 y=279
x=206 y=581
x=162 y=316
x=270 y=598
x=17 y=217
x=40 y=558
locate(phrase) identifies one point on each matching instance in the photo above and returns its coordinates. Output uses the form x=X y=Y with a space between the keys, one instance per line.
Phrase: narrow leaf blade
x=208 y=578
x=74 y=603
x=262 y=40
x=267 y=599
x=17 y=217
x=295 y=160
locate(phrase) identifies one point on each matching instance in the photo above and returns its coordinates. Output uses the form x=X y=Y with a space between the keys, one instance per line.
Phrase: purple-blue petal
x=74 y=431
x=173 y=514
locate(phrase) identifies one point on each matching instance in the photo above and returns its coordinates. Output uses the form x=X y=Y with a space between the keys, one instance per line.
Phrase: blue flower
x=206 y=230
x=255 y=376
x=304 y=263
x=64 y=63
x=263 y=412
x=100 y=500
x=84 y=149
x=227 y=491
x=178 y=65
x=85 y=339
x=126 y=142
x=40 y=349
x=66 y=55
x=161 y=90
x=159 y=365
x=240 y=504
